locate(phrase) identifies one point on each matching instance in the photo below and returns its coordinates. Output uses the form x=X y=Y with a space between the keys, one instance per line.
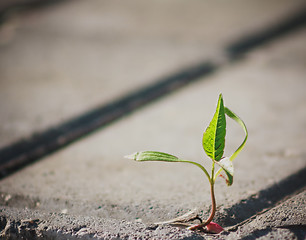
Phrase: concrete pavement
x=59 y=61
x=88 y=190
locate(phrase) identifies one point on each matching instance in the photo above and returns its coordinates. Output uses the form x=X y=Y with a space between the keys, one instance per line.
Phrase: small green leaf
x=214 y=136
x=227 y=165
x=153 y=156
x=163 y=157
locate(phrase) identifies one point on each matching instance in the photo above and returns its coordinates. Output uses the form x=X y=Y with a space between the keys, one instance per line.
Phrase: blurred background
x=61 y=59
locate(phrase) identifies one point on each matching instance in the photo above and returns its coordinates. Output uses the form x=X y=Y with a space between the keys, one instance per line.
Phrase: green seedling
x=213 y=144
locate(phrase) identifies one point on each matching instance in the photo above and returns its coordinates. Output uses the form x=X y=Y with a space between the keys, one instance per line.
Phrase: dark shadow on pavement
x=266 y=198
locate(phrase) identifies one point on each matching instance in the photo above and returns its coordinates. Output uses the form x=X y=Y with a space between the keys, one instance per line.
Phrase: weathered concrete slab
x=60 y=61
x=91 y=178
x=285 y=221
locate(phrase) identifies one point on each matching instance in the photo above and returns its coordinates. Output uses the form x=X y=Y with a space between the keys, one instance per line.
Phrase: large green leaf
x=214 y=136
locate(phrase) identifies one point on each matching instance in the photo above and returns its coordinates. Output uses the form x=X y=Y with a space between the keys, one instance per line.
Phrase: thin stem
x=212 y=172
x=213 y=209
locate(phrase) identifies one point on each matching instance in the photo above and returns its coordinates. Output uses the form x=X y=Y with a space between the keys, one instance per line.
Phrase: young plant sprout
x=213 y=144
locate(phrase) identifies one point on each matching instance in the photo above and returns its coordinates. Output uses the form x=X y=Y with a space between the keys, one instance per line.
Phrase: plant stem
x=212 y=173
x=213 y=209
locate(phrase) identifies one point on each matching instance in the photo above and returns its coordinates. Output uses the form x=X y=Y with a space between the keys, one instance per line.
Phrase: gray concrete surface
x=89 y=190
x=59 y=61
x=285 y=221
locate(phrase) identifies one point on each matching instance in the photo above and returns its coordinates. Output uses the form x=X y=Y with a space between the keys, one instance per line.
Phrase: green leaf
x=227 y=165
x=153 y=156
x=163 y=157
x=214 y=136
x=242 y=124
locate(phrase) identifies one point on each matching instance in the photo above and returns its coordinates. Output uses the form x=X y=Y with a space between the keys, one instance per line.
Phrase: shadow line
x=23 y=152
x=250 y=42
